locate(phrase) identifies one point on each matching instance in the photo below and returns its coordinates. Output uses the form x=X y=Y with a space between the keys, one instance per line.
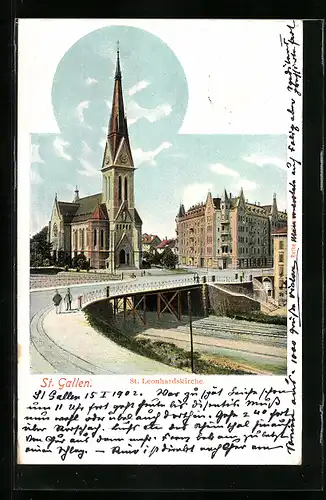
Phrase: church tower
x=118 y=186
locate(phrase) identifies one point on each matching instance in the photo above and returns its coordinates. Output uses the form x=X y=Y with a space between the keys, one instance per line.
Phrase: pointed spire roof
x=118 y=70
x=225 y=196
x=117 y=148
x=76 y=198
x=274 y=206
x=182 y=211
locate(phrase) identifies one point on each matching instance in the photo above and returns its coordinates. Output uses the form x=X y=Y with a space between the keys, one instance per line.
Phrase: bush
x=80 y=262
x=260 y=318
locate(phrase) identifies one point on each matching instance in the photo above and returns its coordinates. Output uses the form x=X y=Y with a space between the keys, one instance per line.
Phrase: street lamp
x=190 y=328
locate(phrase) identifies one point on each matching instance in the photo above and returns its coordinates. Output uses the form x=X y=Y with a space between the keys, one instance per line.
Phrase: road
x=42 y=300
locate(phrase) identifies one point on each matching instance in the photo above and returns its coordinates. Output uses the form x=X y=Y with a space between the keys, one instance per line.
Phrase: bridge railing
x=122 y=289
x=115 y=290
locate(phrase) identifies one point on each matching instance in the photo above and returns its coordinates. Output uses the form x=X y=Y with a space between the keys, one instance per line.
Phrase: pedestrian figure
x=68 y=300
x=57 y=302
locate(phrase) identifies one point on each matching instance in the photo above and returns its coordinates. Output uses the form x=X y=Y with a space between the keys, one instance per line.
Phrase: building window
x=94 y=237
x=55 y=230
x=126 y=189
x=102 y=238
x=281 y=245
x=281 y=257
x=120 y=188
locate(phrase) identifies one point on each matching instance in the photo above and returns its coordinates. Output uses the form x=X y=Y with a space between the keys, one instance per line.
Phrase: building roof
x=282 y=215
x=256 y=209
x=87 y=207
x=217 y=203
x=147 y=239
x=181 y=211
x=166 y=243
x=282 y=231
x=137 y=218
x=67 y=210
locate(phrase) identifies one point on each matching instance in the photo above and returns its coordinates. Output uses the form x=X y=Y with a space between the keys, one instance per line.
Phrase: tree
x=40 y=249
x=80 y=262
x=169 y=259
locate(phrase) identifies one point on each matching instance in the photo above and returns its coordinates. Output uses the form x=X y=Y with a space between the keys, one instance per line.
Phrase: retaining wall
x=223 y=302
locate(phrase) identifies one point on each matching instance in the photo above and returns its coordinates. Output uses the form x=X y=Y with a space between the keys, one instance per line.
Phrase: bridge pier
x=205 y=298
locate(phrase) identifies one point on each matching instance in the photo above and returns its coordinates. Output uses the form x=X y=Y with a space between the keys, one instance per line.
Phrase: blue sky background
x=171 y=167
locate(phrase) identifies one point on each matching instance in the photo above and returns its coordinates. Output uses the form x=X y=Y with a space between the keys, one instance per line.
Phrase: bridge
x=135 y=300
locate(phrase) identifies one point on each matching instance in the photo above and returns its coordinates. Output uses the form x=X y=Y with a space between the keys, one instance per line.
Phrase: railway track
x=260 y=334
x=62 y=360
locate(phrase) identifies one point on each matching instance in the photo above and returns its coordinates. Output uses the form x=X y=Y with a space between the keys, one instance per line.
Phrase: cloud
x=246 y=185
x=88 y=169
x=87 y=154
x=80 y=111
x=136 y=112
x=261 y=160
x=59 y=145
x=141 y=156
x=218 y=168
x=138 y=87
x=86 y=150
x=36 y=178
x=195 y=193
x=90 y=81
x=35 y=154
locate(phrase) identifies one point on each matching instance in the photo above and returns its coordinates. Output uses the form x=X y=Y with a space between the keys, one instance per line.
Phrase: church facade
x=106 y=226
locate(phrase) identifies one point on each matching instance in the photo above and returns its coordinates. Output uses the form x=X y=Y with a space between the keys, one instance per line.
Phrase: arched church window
x=120 y=187
x=55 y=230
x=126 y=189
x=102 y=238
x=94 y=237
x=82 y=239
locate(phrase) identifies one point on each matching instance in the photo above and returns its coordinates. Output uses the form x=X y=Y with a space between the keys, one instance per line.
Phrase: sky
x=205 y=104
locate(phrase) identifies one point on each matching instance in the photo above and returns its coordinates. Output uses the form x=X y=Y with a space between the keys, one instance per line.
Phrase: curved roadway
x=48 y=357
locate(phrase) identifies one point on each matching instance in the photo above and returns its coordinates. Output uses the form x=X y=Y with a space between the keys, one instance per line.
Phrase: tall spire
x=274 y=206
x=117 y=149
x=118 y=70
x=76 y=198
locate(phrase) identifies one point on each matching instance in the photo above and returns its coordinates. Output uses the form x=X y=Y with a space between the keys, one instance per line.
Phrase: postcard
x=159 y=241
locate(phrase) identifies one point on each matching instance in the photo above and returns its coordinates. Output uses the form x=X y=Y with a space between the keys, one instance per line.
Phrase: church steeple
x=118 y=70
x=117 y=148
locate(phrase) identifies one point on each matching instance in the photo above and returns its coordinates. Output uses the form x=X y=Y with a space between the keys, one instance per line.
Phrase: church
x=106 y=226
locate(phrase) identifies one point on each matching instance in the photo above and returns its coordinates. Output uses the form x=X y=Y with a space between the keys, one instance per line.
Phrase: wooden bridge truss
x=135 y=306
